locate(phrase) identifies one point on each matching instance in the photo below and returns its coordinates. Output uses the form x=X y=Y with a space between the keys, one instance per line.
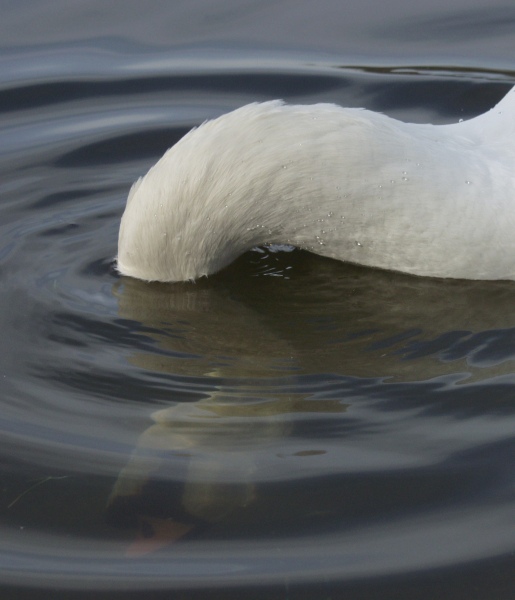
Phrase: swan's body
x=345 y=183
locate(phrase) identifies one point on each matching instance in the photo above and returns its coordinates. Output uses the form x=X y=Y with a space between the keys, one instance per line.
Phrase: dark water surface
x=318 y=430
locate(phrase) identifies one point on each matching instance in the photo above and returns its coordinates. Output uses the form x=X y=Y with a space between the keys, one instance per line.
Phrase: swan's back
x=346 y=183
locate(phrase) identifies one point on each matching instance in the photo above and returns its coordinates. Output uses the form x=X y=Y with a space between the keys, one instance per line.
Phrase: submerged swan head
x=345 y=183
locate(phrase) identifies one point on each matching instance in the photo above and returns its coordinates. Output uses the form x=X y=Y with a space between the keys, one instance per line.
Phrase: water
x=317 y=430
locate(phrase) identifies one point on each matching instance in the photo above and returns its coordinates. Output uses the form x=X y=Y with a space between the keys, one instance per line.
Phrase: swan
x=346 y=183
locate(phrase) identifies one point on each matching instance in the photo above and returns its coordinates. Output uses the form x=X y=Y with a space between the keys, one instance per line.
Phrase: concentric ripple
x=292 y=423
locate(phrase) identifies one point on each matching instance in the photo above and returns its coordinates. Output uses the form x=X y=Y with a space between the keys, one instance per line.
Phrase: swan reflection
x=242 y=343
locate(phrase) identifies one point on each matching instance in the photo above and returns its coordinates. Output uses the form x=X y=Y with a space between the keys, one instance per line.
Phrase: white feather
x=345 y=183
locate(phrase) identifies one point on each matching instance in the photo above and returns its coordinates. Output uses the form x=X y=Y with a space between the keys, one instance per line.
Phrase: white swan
x=345 y=183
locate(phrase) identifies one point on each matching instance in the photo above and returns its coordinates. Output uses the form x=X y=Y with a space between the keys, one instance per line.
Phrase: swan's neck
x=343 y=183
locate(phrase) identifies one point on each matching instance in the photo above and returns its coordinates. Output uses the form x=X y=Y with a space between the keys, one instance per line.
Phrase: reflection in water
x=329 y=318
x=212 y=460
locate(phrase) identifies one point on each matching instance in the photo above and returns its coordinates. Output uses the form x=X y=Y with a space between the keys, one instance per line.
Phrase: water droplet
x=358 y=243
x=460 y=121
x=405 y=179
x=468 y=182
x=329 y=214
